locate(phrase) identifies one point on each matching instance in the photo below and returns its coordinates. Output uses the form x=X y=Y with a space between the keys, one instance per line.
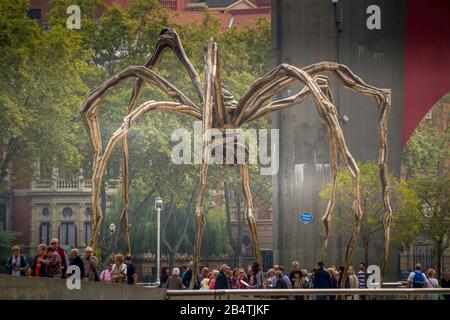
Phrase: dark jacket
x=187 y=276
x=23 y=265
x=321 y=279
x=347 y=282
x=281 y=284
x=222 y=281
x=78 y=262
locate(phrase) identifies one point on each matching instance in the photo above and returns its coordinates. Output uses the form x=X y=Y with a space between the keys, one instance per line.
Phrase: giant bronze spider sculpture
x=220 y=110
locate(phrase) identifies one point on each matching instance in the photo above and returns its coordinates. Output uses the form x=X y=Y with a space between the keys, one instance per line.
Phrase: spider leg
x=168 y=39
x=89 y=114
x=102 y=158
x=245 y=180
x=210 y=75
x=328 y=112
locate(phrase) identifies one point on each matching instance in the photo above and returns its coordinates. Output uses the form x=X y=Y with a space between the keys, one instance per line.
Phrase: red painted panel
x=427 y=60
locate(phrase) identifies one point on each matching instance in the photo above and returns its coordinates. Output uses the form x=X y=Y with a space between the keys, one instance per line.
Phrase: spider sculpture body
x=220 y=110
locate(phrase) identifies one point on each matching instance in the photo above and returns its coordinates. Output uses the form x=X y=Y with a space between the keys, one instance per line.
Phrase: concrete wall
x=305 y=32
x=24 y=288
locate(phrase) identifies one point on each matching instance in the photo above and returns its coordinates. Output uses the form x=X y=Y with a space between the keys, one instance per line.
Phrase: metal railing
x=272 y=293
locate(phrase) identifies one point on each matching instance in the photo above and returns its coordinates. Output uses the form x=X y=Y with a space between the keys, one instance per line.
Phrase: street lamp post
x=158 y=207
x=112 y=230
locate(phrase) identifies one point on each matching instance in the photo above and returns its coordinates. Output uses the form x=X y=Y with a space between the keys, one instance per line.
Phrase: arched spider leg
x=168 y=39
x=296 y=99
x=328 y=112
x=210 y=75
x=383 y=100
x=89 y=114
x=382 y=97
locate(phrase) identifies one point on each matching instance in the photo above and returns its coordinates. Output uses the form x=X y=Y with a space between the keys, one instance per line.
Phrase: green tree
x=434 y=193
x=428 y=149
x=41 y=89
x=404 y=201
x=6 y=242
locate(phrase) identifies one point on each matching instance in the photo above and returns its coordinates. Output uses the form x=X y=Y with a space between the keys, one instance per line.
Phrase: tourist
x=17 y=265
x=132 y=277
x=212 y=279
x=249 y=272
x=119 y=270
x=53 y=263
x=187 y=275
x=204 y=284
x=163 y=277
x=106 y=274
x=62 y=253
x=243 y=280
x=432 y=282
x=347 y=280
x=417 y=279
x=306 y=279
x=285 y=277
x=75 y=260
x=204 y=274
x=362 y=278
x=445 y=283
x=174 y=282
x=321 y=279
x=39 y=269
x=270 y=279
x=222 y=279
x=295 y=268
x=90 y=264
x=256 y=281
x=298 y=283
x=280 y=283
x=354 y=282
x=334 y=279
x=235 y=279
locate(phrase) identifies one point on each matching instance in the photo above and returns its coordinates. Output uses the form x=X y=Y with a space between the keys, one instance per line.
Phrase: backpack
x=418 y=280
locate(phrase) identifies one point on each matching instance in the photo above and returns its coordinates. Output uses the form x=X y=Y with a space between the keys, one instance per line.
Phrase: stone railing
x=62 y=185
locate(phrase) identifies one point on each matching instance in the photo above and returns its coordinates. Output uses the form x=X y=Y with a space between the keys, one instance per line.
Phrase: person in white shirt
x=432 y=282
x=119 y=270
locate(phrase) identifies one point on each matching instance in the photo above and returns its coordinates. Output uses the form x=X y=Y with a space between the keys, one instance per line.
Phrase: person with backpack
x=417 y=279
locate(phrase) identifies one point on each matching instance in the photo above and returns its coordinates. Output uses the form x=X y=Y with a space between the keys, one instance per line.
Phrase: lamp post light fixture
x=112 y=228
x=158 y=207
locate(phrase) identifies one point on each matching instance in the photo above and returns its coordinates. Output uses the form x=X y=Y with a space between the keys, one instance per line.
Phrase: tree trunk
x=366 y=250
x=438 y=258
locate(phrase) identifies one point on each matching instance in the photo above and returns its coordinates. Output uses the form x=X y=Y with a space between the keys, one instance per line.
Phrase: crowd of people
x=52 y=261
x=276 y=278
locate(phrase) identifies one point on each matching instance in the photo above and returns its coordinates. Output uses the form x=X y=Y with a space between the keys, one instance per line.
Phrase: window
x=67 y=212
x=2 y=217
x=45 y=212
x=44 y=233
x=68 y=234
x=88 y=212
x=87 y=232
